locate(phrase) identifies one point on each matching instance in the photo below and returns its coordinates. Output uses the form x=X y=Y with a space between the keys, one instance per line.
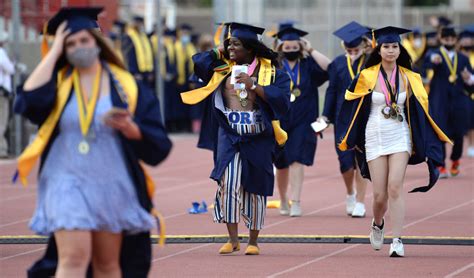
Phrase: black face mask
x=291 y=56
x=449 y=46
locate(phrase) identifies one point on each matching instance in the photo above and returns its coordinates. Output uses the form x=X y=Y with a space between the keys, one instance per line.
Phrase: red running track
x=447 y=210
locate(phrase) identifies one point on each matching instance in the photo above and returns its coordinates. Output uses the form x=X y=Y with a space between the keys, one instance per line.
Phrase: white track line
x=459 y=271
x=21 y=254
x=356 y=245
x=182 y=252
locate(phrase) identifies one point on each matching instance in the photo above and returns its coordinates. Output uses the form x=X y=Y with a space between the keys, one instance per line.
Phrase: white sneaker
x=396 y=248
x=376 y=236
x=359 y=210
x=284 y=208
x=350 y=204
x=470 y=151
x=295 y=210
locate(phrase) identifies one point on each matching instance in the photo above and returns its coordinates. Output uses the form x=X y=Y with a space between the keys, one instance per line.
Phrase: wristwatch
x=254 y=85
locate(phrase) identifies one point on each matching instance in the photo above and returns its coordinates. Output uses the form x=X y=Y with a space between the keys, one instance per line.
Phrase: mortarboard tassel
x=44 y=41
x=218 y=34
x=160 y=221
x=373 y=39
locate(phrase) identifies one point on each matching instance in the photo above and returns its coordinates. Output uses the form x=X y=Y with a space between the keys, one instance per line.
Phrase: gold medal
x=400 y=118
x=243 y=102
x=296 y=92
x=386 y=112
x=452 y=78
x=83 y=147
x=292 y=98
x=243 y=94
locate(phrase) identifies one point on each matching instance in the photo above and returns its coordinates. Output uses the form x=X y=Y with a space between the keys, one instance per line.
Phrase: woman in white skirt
x=390 y=129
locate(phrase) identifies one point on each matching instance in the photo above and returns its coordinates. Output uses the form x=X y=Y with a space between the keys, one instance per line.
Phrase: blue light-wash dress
x=92 y=192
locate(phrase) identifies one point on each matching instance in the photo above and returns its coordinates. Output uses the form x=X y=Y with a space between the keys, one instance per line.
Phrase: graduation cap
x=170 y=32
x=389 y=34
x=138 y=18
x=186 y=26
x=243 y=31
x=285 y=24
x=78 y=18
x=431 y=34
x=448 y=31
x=291 y=34
x=467 y=32
x=119 y=23
x=351 y=34
x=443 y=21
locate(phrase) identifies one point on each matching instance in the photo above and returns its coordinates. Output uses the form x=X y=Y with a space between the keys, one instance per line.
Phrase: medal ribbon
x=349 y=65
x=452 y=68
x=86 y=108
x=294 y=73
x=388 y=88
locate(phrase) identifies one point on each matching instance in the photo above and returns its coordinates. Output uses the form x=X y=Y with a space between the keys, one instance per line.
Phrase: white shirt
x=7 y=69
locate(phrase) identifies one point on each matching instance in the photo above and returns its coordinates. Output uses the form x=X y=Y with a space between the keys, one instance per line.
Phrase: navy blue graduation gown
x=426 y=145
x=257 y=150
x=449 y=103
x=130 y=57
x=301 y=144
x=339 y=80
x=135 y=258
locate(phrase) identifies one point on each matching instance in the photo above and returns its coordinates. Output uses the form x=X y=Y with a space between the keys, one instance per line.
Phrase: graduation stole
x=183 y=57
x=266 y=75
x=365 y=85
x=29 y=157
x=169 y=51
x=143 y=50
x=415 y=53
x=451 y=66
x=349 y=65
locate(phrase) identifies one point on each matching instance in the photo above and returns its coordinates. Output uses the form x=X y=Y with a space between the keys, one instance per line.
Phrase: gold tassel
x=217 y=35
x=280 y=135
x=343 y=145
x=44 y=41
x=373 y=39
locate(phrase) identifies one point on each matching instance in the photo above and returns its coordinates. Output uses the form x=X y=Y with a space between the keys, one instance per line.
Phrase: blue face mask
x=185 y=39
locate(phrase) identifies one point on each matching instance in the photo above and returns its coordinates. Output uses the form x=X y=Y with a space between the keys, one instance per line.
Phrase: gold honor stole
x=183 y=56
x=170 y=51
x=266 y=74
x=415 y=53
x=29 y=157
x=366 y=84
x=143 y=50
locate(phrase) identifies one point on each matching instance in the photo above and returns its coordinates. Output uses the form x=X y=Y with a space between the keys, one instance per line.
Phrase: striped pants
x=232 y=200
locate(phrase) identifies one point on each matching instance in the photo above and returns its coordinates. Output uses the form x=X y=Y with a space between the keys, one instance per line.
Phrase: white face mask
x=417 y=43
x=356 y=56
x=185 y=39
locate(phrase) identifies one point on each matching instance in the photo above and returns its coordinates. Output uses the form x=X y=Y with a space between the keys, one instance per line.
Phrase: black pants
x=135 y=258
x=456 y=153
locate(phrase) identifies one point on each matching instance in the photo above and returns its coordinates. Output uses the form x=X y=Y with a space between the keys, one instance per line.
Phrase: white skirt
x=386 y=136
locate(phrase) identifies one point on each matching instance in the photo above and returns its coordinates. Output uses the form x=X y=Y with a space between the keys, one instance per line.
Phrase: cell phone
x=115 y=112
x=236 y=70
